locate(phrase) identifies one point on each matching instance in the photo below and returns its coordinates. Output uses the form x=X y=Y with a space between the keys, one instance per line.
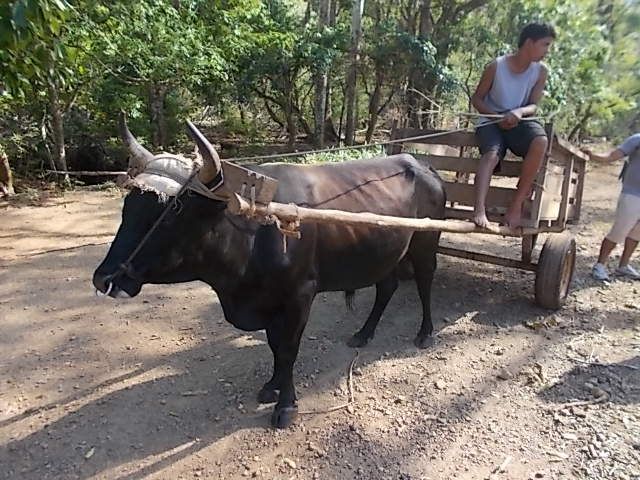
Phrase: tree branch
x=467 y=7
x=266 y=96
x=388 y=101
x=272 y=114
x=126 y=79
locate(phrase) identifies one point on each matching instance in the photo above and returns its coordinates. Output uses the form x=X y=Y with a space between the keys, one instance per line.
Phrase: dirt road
x=161 y=387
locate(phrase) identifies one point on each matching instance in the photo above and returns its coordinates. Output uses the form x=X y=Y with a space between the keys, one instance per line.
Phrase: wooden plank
x=483 y=257
x=557 y=169
x=454 y=139
x=564 y=201
x=238 y=179
x=498 y=200
x=551 y=196
x=560 y=152
x=569 y=148
x=560 y=155
x=572 y=194
x=460 y=213
x=431 y=149
x=528 y=244
x=509 y=168
x=581 y=168
x=534 y=214
x=464 y=194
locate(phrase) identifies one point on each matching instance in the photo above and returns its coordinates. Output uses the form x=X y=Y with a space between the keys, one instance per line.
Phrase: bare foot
x=480 y=219
x=513 y=217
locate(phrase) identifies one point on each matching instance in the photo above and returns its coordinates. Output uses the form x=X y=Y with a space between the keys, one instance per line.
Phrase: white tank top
x=510 y=90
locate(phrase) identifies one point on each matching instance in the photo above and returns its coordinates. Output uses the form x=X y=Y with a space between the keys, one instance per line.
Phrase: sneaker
x=628 y=271
x=599 y=272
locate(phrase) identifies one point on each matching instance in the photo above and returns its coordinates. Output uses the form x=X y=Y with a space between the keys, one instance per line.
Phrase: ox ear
x=140 y=156
x=210 y=159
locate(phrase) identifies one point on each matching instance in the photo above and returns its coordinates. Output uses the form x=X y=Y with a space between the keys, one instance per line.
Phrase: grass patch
x=335 y=157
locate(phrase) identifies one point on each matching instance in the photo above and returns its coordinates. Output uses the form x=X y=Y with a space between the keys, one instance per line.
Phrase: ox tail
x=349 y=295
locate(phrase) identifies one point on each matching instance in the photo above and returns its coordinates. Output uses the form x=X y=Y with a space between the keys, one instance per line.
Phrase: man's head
x=536 y=39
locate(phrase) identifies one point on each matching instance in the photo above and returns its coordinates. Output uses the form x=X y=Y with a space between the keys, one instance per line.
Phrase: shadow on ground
x=620 y=383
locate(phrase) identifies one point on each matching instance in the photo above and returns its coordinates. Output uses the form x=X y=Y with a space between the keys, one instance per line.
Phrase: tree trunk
x=416 y=90
x=271 y=113
x=374 y=105
x=292 y=128
x=581 y=123
x=6 y=179
x=157 y=96
x=439 y=33
x=321 y=81
x=243 y=115
x=57 y=127
x=352 y=75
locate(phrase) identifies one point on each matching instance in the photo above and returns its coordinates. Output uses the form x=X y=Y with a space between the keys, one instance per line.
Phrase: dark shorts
x=518 y=139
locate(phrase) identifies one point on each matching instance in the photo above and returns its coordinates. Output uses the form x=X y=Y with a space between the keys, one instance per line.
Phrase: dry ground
x=161 y=387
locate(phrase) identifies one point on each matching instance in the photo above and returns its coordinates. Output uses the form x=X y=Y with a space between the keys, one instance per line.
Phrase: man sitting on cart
x=511 y=86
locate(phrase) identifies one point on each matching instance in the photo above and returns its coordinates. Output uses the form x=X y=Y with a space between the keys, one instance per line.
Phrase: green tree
x=158 y=48
x=34 y=60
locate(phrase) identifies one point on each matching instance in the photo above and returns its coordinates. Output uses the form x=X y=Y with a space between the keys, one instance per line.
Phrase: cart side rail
x=557 y=191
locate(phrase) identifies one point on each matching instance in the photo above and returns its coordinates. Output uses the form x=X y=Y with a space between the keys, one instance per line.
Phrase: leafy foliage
x=30 y=43
x=249 y=65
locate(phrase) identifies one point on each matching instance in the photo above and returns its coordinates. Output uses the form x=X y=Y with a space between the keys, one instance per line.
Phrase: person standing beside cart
x=626 y=226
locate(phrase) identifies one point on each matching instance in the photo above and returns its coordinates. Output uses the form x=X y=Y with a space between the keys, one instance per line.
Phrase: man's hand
x=511 y=119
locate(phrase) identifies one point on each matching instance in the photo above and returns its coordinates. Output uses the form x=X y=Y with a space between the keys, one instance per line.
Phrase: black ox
x=259 y=285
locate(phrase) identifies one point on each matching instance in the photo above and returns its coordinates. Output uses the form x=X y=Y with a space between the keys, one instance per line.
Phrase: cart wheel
x=555 y=270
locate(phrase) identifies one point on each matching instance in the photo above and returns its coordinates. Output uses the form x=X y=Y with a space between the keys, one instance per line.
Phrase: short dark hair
x=535 y=31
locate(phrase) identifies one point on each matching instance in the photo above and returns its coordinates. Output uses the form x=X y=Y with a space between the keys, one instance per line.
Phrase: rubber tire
x=555 y=270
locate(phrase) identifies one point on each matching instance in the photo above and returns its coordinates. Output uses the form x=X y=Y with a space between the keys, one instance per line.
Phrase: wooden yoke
x=255 y=187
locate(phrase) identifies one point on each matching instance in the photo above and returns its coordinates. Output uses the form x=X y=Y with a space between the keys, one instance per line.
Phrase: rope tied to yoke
x=286 y=227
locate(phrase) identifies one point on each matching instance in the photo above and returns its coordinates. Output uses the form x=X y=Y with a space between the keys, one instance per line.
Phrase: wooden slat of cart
x=485 y=258
x=453 y=139
x=464 y=194
x=508 y=168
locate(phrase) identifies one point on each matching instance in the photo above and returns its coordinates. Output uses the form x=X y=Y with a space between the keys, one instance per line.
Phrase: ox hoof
x=357 y=341
x=425 y=341
x=284 y=417
x=267 y=395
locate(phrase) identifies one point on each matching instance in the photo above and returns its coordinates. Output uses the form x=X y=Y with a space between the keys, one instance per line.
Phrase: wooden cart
x=555 y=203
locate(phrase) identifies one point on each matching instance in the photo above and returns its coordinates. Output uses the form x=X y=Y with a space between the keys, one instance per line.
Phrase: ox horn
x=140 y=156
x=211 y=161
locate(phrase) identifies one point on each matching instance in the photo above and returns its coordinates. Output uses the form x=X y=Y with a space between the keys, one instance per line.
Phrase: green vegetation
x=249 y=70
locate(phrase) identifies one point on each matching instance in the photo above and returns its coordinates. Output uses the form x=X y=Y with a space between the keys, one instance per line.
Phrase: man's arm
x=536 y=94
x=484 y=85
x=513 y=117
